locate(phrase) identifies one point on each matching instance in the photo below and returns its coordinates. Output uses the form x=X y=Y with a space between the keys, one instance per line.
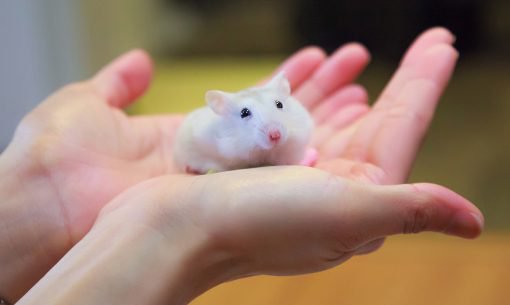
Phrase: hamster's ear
x=280 y=83
x=219 y=101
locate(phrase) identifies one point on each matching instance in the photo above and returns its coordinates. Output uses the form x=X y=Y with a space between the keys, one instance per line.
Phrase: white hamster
x=254 y=127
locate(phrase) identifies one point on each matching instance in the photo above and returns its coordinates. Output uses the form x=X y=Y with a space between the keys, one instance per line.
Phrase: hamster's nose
x=274 y=135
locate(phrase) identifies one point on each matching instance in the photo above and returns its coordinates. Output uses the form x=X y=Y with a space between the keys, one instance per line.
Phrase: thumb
x=124 y=79
x=413 y=208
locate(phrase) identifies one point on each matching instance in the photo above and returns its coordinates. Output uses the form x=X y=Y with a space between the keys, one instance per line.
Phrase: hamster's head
x=263 y=117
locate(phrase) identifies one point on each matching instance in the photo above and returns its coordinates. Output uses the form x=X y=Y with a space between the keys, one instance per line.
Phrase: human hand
x=375 y=144
x=167 y=240
x=78 y=150
x=68 y=158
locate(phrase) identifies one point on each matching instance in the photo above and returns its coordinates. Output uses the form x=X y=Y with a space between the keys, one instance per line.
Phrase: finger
x=370 y=247
x=333 y=136
x=317 y=219
x=300 y=66
x=125 y=79
x=389 y=210
x=413 y=56
x=390 y=136
x=427 y=39
x=347 y=116
x=348 y=96
x=338 y=70
x=406 y=123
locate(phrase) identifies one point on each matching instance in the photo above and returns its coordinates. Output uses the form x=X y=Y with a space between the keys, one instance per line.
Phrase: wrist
x=143 y=253
x=29 y=234
x=198 y=261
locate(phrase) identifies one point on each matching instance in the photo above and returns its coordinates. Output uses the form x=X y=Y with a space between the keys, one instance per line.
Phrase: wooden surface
x=420 y=269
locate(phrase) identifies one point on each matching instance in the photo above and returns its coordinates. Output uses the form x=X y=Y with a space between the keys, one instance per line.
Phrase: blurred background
x=227 y=44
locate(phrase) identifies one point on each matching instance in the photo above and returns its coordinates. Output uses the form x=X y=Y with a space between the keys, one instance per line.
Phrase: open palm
x=376 y=144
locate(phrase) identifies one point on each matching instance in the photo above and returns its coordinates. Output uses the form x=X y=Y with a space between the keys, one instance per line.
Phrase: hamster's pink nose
x=274 y=136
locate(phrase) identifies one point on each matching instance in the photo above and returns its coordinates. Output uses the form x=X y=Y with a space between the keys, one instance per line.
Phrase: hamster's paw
x=311 y=157
x=192 y=171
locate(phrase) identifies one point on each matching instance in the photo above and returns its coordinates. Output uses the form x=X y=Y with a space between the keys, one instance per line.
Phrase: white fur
x=217 y=138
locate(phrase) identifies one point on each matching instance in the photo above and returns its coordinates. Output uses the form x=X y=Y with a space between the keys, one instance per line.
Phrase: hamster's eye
x=245 y=112
x=278 y=104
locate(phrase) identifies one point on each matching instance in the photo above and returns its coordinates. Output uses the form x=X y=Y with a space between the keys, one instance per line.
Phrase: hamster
x=258 y=126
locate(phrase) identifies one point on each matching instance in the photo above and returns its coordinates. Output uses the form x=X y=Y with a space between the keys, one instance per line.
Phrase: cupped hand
x=189 y=233
x=291 y=220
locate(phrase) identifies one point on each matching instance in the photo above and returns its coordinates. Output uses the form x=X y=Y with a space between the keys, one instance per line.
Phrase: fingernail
x=479 y=219
x=465 y=224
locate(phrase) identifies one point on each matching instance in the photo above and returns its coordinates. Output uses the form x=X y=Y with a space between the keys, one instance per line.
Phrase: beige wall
x=109 y=28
